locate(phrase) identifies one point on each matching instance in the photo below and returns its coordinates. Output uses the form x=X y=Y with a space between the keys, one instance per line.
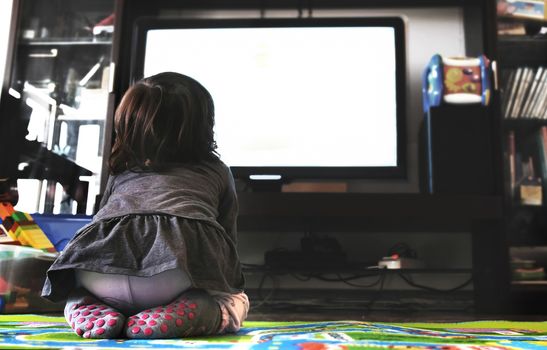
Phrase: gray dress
x=150 y=222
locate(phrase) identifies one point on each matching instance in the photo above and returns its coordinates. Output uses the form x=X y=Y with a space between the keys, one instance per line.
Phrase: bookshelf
x=523 y=95
x=523 y=86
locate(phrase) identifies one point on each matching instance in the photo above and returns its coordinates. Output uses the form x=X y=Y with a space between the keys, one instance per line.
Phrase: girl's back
x=198 y=191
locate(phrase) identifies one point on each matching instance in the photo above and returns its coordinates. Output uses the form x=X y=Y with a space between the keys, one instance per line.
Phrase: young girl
x=159 y=259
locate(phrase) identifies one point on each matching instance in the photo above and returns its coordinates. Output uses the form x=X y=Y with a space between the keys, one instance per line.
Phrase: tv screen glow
x=287 y=97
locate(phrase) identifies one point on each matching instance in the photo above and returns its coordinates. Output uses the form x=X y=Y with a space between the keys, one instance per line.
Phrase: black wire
x=379 y=280
x=340 y=278
x=301 y=278
x=382 y=279
x=346 y=280
x=261 y=289
x=431 y=289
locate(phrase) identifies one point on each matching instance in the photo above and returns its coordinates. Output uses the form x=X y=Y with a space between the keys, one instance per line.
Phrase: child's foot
x=92 y=319
x=193 y=313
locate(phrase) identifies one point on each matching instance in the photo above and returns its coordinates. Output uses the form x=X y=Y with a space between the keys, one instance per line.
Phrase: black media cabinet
x=481 y=216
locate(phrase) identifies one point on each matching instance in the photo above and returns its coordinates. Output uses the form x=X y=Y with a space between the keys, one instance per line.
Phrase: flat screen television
x=302 y=98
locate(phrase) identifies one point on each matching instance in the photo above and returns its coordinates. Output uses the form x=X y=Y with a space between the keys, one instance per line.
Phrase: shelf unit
x=58 y=65
x=526 y=224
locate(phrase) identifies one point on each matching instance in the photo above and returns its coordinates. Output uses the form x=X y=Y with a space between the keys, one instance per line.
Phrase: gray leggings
x=132 y=294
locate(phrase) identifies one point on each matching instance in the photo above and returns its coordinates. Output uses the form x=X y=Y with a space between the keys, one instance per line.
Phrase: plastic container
x=22 y=275
x=60 y=228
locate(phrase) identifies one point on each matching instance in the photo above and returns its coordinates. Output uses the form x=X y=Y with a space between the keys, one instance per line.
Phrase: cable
x=431 y=289
x=379 y=291
x=379 y=280
x=301 y=279
x=347 y=279
x=265 y=300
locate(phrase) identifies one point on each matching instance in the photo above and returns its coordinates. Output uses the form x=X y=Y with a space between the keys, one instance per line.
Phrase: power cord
x=269 y=296
x=409 y=281
x=380 y=272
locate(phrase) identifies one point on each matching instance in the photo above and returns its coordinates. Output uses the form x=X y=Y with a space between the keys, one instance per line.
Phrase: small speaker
x=456 y=151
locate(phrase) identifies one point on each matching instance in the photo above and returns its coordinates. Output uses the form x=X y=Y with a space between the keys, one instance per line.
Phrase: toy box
x=60 y=228
x=23 y=269
x=22 y=275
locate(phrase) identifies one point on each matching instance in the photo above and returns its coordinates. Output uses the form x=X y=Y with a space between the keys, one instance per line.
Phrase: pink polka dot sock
x=92 y=319
x=193 y=313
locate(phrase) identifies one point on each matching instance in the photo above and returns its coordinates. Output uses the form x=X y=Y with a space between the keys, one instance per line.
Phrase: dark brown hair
x=163 y=119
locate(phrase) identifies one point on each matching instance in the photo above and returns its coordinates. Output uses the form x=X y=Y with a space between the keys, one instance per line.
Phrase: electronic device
x=295 y=98
x=400 y=262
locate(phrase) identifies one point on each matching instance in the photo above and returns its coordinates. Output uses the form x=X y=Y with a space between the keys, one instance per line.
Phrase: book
x=511 y=91
x=519 y=166
x=511 y=28
x=511 y=152
x=523 y=85
x=539 y=99
x=533 y=91
x=543 y=112
x=542 y=104
x=525 y=93
x=541 y=90
x=541 y=138
x=508 y=76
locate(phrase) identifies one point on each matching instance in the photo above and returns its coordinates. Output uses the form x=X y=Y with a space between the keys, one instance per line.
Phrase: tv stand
x=479 y=215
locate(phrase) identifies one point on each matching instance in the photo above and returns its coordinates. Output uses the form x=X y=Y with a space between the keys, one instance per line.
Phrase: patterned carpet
x=45 y=332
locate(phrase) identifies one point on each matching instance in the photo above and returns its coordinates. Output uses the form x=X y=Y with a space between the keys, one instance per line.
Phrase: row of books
x=524 y=93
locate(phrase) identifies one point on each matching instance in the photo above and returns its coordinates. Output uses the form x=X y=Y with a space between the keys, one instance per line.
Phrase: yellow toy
x=22 y=227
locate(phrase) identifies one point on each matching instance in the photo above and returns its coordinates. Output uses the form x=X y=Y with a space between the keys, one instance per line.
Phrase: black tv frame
x=290 y=173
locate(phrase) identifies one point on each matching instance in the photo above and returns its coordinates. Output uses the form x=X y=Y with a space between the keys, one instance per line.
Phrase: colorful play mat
x=45 y=332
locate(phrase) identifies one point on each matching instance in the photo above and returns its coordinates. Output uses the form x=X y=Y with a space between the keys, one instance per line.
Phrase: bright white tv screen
x=291 y=97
